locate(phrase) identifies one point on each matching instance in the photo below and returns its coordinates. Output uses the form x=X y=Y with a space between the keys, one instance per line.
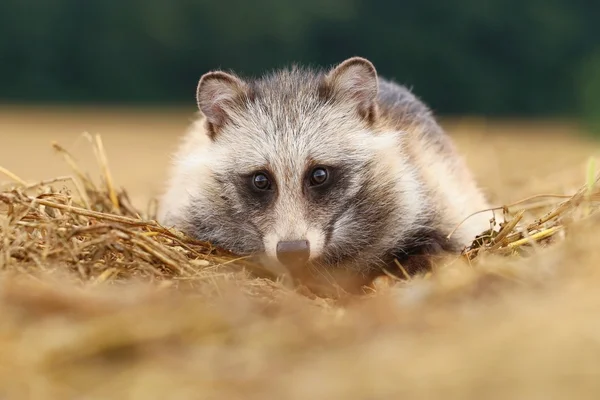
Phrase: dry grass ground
x=105 y=306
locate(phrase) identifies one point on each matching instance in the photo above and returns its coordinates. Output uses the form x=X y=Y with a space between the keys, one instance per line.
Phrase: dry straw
x=76 y=324
x=95 y=232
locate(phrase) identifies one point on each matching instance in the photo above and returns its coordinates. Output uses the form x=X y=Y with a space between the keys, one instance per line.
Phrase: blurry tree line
x=493 y=57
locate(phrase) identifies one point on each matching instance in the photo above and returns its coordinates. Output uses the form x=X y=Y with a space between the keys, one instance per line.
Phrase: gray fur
x=380 y=206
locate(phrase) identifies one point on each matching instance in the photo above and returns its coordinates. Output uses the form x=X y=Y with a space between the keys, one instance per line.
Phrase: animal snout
x=293 y=253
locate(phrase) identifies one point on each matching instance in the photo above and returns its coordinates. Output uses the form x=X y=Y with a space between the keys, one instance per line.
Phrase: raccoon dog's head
x=296 y=170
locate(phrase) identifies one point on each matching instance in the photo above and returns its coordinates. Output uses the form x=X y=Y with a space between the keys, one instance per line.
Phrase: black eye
x=261 y=181
x=318 y=176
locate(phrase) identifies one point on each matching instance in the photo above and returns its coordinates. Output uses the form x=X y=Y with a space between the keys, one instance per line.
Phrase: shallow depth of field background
x=525 y=74
x=516 y=83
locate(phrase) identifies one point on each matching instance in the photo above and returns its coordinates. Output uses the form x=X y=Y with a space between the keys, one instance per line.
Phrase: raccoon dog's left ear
x=354 y=81
x=218 y=94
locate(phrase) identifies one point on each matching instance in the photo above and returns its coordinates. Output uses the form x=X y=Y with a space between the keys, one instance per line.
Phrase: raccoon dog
x=316 y=172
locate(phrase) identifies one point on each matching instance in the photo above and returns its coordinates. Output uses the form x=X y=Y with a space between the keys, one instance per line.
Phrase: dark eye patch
x=326 y=183
x=257 y=190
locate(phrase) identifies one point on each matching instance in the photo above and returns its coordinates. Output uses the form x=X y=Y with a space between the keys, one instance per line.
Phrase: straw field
x=99 y=301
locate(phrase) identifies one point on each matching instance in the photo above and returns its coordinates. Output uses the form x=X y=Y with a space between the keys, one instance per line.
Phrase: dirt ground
x=503 y=329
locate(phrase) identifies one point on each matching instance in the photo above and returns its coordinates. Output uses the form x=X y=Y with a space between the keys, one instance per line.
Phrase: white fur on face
x=284 y=131
x=326 y=135
x=316 y=238
x=284 y=126
x=189 y=164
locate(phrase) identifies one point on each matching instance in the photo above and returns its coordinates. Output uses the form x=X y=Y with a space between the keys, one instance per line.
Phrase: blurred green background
x=531 y=58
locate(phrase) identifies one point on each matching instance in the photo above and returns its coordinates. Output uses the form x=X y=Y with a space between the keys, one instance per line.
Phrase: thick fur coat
x=395 y=185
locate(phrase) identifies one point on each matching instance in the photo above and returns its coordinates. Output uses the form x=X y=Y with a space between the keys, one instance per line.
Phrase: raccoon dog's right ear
x=217 y=95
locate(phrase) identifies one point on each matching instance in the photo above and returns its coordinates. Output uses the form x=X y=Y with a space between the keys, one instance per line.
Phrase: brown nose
x=293 y=253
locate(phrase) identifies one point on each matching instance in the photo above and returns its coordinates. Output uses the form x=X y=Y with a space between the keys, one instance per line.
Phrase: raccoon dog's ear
x=355 y=81
x=217 y=95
